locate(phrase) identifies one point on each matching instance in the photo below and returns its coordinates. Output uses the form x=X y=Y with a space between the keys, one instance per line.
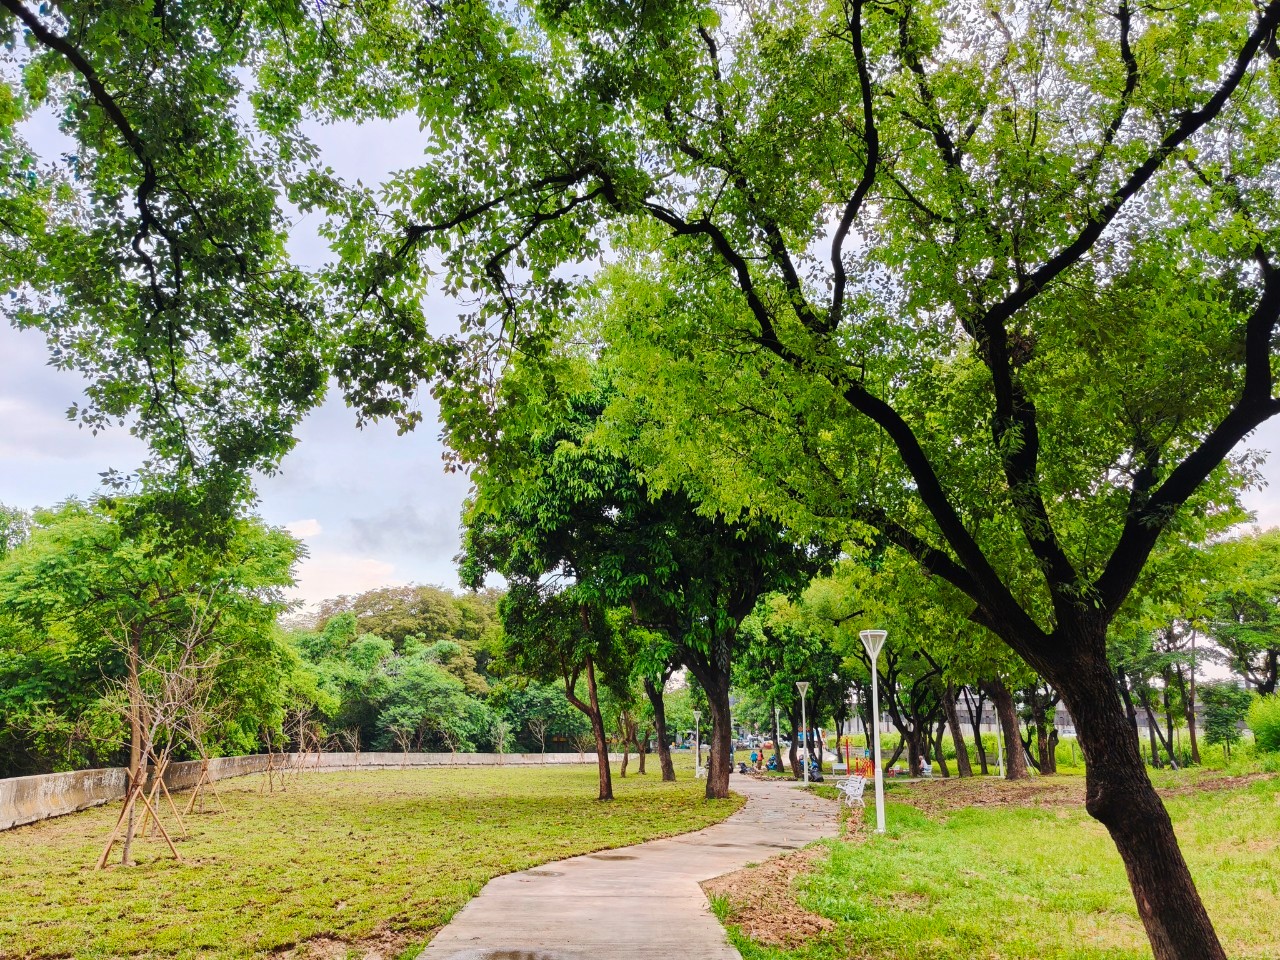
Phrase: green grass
x=386 y=855
x=1035 y=883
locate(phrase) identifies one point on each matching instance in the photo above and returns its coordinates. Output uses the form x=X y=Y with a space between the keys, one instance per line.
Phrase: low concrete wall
x=30 y=799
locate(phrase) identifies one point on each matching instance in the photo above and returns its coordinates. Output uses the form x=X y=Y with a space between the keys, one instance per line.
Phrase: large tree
x=1243 y=612
x=151 y=253
x=98 y=589
x=995 y=283
x=558 y=510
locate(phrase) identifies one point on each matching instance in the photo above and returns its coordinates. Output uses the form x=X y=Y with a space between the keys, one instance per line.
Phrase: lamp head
x=873 y=640
x=802 y=686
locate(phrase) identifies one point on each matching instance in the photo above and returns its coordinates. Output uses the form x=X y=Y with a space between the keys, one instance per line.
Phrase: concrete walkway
x=634 y=903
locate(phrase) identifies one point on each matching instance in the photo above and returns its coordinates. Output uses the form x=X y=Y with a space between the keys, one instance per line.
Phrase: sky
x=373 y=508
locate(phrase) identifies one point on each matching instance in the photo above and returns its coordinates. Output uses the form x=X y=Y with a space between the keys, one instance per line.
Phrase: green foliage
x=1244 y=604
x=93 y=579
x=1225 y=705
x=527 y=702
x=152 y=252
x=1263 y=719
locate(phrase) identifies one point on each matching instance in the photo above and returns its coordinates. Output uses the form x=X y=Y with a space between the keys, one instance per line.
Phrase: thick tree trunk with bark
x=915 y=751
x=720 y=762
x=1121 y=797
x=654 y=693
x=1015 y=760
x=957 y=735
x=715 y=684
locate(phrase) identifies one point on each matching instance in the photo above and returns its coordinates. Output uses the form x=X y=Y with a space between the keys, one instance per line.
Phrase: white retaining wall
x=29 y=799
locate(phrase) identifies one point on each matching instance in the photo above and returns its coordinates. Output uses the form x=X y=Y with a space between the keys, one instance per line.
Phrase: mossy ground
x=337 y=863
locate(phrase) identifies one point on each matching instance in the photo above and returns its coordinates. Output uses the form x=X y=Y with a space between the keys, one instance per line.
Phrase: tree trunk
x=777 y=741
x=975 y=718
x=1158 y=734
x=1188 y=686
x=654 y=693
x=915 y=751
x=1051 y=758
x=897 y=752
x=642 y=750
x=1121 y=797
x=715 y=684
x=135 y=717
x=1130 y=712
x=957 y=735
x=938 y=751
x=1168 y=717
x=602 y=740
x=1015 y=757
x=793 y=754
x=1268 y=684
x=720 y=762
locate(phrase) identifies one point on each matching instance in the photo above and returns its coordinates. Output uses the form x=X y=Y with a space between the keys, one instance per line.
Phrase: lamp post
x=803 y=687
x=853 y=726
x=873 y=640
x=697 y=745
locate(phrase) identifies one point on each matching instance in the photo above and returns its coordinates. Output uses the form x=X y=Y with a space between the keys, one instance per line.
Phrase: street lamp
x=803 y=687
x=853 y=726
x=698 y=745
x=873 y=640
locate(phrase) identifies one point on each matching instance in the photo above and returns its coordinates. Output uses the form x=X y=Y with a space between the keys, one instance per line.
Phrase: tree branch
x=854 y=205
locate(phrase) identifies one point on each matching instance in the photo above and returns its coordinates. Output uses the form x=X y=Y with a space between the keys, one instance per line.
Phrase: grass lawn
x=1027 y=875
x=375 y=859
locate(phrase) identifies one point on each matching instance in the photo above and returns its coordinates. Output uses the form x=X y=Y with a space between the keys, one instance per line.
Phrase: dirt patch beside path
x=762 y=900
x=382 y=944
x=943 y=796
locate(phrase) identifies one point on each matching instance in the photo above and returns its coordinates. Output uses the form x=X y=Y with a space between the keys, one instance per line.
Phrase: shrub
x=1264 y=721
x=1225 y=705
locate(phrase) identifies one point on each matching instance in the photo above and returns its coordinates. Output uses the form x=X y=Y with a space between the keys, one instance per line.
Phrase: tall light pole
x=803 y=687
x=853 y=713
x=698 y=745
x=873 y=640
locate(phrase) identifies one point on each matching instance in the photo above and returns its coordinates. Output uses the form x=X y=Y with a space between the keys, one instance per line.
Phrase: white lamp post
x=873 y=640
x=853 y=726
x=803 y=687
x=697 y=745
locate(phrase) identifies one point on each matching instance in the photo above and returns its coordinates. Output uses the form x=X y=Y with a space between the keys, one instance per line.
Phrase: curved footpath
x=634 y=903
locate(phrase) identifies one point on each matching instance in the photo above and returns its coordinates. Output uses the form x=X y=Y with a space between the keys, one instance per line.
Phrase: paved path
x=633 y=903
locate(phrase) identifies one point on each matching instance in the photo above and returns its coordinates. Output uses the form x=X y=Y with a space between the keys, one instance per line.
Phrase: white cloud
x=324 y=575
x=304 y=528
